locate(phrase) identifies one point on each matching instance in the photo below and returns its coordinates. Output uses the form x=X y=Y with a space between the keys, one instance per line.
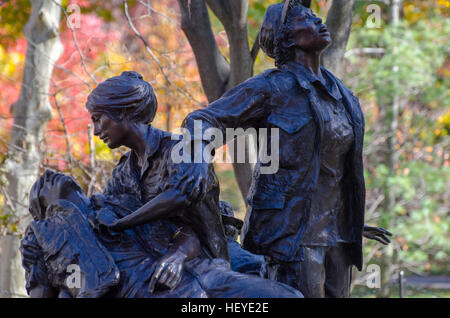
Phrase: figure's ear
x=289 y=42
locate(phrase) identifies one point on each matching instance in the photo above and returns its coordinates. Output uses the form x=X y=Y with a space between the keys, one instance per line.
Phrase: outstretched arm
x=241 y=107
x=166 y=204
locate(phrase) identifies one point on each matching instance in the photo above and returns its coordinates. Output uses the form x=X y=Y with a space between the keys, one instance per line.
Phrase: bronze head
x=118 y=102
x=125 y=97
x=50 y=187
x=292 y=25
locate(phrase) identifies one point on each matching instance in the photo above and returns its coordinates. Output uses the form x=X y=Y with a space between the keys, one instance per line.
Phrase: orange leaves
x=403 y=243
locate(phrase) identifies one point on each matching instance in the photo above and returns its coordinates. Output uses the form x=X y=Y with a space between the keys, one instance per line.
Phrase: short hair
x=125 y=97
x=36 y=208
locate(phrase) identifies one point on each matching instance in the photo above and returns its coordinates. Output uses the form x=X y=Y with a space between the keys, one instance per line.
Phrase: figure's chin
x=318 y=46
x=108 y=143
x=326 y=42
x=112 y=145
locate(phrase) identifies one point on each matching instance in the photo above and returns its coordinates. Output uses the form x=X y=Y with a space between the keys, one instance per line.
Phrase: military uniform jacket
x=280 y=203
x=159 y=173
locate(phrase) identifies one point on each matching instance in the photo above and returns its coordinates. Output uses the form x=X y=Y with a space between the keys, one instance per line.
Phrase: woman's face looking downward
x=110 y=131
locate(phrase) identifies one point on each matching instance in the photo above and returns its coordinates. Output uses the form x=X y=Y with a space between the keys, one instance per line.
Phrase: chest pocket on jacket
x=292 y=115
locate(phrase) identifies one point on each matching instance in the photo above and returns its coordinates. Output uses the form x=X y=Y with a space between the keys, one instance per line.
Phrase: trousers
x=324 y=272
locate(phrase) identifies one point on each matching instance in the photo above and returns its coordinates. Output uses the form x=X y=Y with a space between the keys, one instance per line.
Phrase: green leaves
x=413 y=70
x=12 y=20
x=413 y=55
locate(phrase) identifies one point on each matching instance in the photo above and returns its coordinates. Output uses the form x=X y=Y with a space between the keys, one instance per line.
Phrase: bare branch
x=8 y=200
x=339 y=22
x=151 y=9
x=153 y=56
x=66 y=132
x=255 y=49
x=375 y=204
x=74 y=36
x=233 y=15
x=367 y=50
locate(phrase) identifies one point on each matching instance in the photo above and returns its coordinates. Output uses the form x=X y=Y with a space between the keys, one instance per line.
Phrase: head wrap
x=274 y=17
x=125 y=97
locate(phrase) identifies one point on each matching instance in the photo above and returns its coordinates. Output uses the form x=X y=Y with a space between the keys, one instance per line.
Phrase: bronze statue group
x=159 y=229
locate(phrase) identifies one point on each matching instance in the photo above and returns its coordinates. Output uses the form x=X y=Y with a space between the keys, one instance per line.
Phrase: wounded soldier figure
x=67 y=231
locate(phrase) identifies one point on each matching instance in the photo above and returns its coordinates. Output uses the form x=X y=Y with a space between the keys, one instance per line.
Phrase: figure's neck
x=310 y=60
x=78 y=198
x=136 y=138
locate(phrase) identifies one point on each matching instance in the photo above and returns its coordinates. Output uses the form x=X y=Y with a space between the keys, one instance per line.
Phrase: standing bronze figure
x=308 y=217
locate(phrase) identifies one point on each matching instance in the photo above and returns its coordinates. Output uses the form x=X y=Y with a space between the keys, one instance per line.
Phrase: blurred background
x=393 y=54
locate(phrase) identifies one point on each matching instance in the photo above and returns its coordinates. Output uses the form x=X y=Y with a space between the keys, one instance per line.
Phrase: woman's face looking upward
x=307 y=30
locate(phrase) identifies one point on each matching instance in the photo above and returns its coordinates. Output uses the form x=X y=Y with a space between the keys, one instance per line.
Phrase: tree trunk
x=31 y=113
x=169 y=118
x=339 y=23
x=213 y=67
x=389 y=255
x=233 y=15
x=217 y=75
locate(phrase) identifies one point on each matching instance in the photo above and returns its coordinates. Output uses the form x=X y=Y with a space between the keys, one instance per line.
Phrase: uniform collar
x=306 y=79
x=152 y=138
x=152 y=141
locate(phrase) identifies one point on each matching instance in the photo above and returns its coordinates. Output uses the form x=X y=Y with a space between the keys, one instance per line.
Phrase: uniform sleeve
x=176 y=171
x=242 y=106
x=33 y=262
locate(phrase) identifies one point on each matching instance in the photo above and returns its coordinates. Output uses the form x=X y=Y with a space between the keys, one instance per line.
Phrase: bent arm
x=169 y=270
x=186 y=241
x=166 y=204
x=242 y=107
